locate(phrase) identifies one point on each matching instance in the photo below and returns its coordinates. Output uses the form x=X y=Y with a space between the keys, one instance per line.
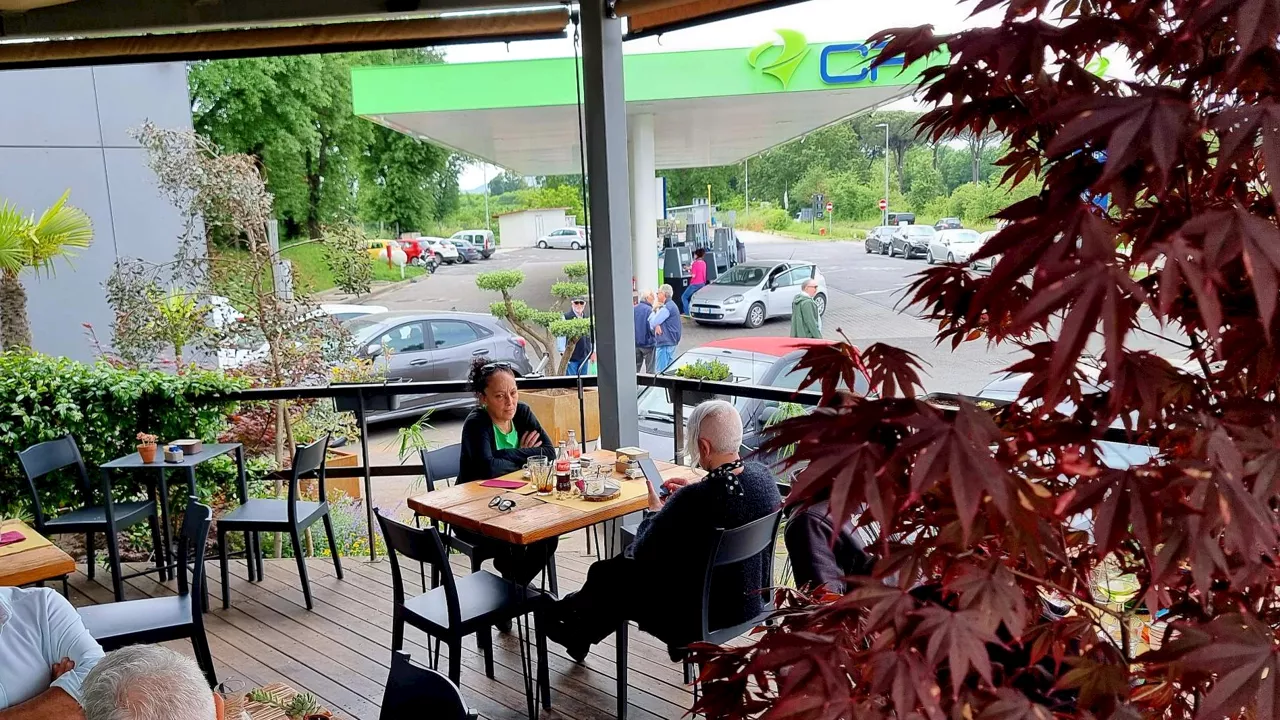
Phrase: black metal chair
x=108 y=518
x=414 y=691
x=439 y=466
x=469 y=605
x=290 y=516
x=155 y=620
x=731 y=547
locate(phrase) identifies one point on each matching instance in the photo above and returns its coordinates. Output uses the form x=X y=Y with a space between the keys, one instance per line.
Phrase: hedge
x=103 y=407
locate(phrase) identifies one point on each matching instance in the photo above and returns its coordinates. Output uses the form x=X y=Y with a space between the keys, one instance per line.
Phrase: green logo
x=794 y=50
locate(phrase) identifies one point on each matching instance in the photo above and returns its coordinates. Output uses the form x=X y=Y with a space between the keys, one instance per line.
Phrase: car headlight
x=733 y=299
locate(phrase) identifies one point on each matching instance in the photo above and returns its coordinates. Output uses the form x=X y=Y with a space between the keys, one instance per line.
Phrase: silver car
x=752 y=292
x=987 y=263
x=569 y=238
x=953 y=246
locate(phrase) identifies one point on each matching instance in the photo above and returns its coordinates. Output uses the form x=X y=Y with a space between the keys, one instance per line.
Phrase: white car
x=953 y=246
x=444 y=250
x=570 y=238
x=752 y=292
x=244 y=348
x=985 y=264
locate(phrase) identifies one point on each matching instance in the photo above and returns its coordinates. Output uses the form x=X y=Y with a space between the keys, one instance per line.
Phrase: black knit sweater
x=673 y=545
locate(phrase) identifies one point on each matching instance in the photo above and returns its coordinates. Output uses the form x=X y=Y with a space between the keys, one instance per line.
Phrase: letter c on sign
x=825 y=64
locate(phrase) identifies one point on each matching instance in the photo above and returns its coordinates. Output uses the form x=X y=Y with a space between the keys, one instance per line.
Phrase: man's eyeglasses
x=501 y=503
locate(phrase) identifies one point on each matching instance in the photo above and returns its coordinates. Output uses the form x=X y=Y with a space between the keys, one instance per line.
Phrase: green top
x=505 y=441
x=805 y=322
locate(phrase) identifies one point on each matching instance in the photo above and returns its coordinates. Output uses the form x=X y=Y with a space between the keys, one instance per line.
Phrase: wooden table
x=45 y=562
x=533 y=519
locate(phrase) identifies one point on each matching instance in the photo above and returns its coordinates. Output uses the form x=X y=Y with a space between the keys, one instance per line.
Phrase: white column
x=644 y=203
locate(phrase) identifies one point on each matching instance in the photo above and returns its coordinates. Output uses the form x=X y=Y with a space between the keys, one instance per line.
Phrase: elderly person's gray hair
x=717 y=422
x=808 y=284
x=147 y=682
x=667 y=291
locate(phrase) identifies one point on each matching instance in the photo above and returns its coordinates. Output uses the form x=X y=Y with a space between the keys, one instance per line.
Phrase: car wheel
x=884 y=249
x=755 y=316
x=951 y=258
x=575 y=246
x=542 y=244
x=821 y=301
x=929 y=256
x=867 y=246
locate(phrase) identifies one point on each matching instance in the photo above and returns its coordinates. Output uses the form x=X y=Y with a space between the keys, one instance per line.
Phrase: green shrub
x=103 y=407
x=711 y=370
x=776 y=219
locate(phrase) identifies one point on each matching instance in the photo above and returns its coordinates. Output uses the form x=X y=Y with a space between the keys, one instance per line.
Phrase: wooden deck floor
x=341 y=651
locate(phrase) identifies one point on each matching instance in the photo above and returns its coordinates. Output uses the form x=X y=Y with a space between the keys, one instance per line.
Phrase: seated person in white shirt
x=45 y=654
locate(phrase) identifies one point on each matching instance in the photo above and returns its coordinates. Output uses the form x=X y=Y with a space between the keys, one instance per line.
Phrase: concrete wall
x=522 y=229
x=66 y=129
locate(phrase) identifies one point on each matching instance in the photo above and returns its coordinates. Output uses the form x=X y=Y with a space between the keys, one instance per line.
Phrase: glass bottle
x=575 y=451
x=563 y=463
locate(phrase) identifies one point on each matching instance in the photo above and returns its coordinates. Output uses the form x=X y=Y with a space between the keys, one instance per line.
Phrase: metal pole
x=886 y=173
x=368 y=480
x=485 y=167
x=608 y=175
x=746 y=181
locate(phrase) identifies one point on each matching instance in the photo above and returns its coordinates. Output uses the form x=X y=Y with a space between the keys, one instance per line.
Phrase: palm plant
x=26 y=242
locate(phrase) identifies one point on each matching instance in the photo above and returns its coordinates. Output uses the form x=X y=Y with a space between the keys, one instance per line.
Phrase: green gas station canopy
x=710 y=107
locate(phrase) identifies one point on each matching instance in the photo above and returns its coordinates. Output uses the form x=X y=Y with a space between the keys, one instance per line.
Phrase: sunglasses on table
x=501 y=503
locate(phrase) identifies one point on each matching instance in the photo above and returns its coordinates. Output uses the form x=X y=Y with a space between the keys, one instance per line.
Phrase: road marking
x=877 y=292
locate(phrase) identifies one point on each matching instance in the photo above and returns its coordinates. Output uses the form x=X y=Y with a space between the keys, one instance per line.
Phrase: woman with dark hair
x=697 y=279
x=499 y=435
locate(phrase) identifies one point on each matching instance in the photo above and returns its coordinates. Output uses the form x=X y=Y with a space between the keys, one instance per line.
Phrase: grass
x=311 y=274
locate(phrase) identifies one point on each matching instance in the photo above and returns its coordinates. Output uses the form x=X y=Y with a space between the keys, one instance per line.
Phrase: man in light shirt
x=45 y=654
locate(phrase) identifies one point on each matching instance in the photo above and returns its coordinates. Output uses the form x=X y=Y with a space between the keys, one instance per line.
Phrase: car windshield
x=364 y=329
x=964 y=236
x=742 y=276
x=654 y=404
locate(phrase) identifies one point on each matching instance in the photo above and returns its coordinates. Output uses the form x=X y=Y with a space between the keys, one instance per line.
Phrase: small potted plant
x=147 y=447
x=708 y=370
x=302 y=706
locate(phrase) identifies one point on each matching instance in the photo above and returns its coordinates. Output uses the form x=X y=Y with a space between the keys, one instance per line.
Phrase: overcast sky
x=819 y=20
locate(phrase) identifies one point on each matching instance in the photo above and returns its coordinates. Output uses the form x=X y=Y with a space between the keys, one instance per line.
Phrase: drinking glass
x=543 y=478
x=232 y=693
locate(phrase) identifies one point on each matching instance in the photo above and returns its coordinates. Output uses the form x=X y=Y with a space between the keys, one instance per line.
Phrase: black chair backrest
x=414 y=691
x=736 y=545
x=191 y=547
x=47 y=457
x=307 y=460
x=441 y=464
x=424 y=545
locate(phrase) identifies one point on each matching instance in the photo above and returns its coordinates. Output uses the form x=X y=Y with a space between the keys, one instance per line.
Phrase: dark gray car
x=434 y=346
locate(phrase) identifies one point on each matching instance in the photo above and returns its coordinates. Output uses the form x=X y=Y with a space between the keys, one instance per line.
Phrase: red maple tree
x=996 y=529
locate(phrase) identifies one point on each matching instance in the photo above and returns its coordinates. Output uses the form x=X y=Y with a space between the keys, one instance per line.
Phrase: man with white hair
x=806 y=322
x=658 y=580
x=645 y=338
x=665 y=323
x=149 y=682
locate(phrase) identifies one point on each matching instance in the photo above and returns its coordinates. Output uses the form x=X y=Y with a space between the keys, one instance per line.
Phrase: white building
x=523 y=227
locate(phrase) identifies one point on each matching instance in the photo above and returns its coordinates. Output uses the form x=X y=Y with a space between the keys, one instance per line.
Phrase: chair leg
x=551 y=574
x=156 y=545
x=222 y=561
x=455 y=660
x=484 y=638
x=544 y=672
x=249 y=562
x=333 y=545
x=200 y=645
x=587 y=532
x=113 y=554
x=302 y=565
x=397 y=632
x=621 y=648
x=257 y=553
x=91 y=560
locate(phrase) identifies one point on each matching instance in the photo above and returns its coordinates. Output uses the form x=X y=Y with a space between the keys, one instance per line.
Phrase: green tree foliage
x=294 y=115
x=507 y=182
x=541 y=327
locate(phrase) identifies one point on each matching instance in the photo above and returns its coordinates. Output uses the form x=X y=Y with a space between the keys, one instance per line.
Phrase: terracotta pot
x=148 y=452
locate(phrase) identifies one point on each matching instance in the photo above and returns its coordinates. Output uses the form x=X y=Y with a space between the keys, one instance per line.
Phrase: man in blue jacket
x=665 y=323
x=645 y=339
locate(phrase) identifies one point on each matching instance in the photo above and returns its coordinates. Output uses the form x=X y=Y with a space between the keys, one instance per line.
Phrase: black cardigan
x=673 y=545
x=814 y=559
x=481 y=460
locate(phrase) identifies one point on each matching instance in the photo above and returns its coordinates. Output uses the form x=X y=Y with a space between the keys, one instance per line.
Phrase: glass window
x=796 y=276
x=405 y=338
x=741 y=276
x=452 y=333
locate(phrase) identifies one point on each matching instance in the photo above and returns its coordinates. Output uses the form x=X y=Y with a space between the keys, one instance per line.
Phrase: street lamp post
x=884 y=217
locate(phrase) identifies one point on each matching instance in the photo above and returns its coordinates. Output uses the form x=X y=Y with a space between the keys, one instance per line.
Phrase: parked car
x=466 y=251
x=752 y=292
x=769 y=361
x=901 y=218
x=420 y=346
x=343 y=313
x=442 y=250
x=912 y=240
x=571 y=238
x=953 y=246
x=242 y=346
x=482 y=239
x=985 y=264
x=377 y=249
x=879 y=239
x=948 y=224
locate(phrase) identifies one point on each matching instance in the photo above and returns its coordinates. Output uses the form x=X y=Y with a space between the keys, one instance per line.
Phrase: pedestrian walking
x=665 y=323
x=582 y=349
x=646 y=341
x=697 y=280
x=805 y=320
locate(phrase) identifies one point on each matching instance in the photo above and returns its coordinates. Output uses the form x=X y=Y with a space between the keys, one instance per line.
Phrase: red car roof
x=775 y=346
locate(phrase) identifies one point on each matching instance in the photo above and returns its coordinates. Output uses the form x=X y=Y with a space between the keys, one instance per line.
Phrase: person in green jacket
x=805 y=320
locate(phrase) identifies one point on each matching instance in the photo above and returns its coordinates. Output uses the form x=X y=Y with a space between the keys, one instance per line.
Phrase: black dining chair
x=469 y=605
x=160 y=619
x=438 y=467
x=290 y=516
x=414 y=691
x=108 y=517
x=731 y=547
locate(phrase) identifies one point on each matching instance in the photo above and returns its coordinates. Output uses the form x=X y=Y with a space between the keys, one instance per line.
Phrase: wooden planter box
x=351 y=487
x=557 y=410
